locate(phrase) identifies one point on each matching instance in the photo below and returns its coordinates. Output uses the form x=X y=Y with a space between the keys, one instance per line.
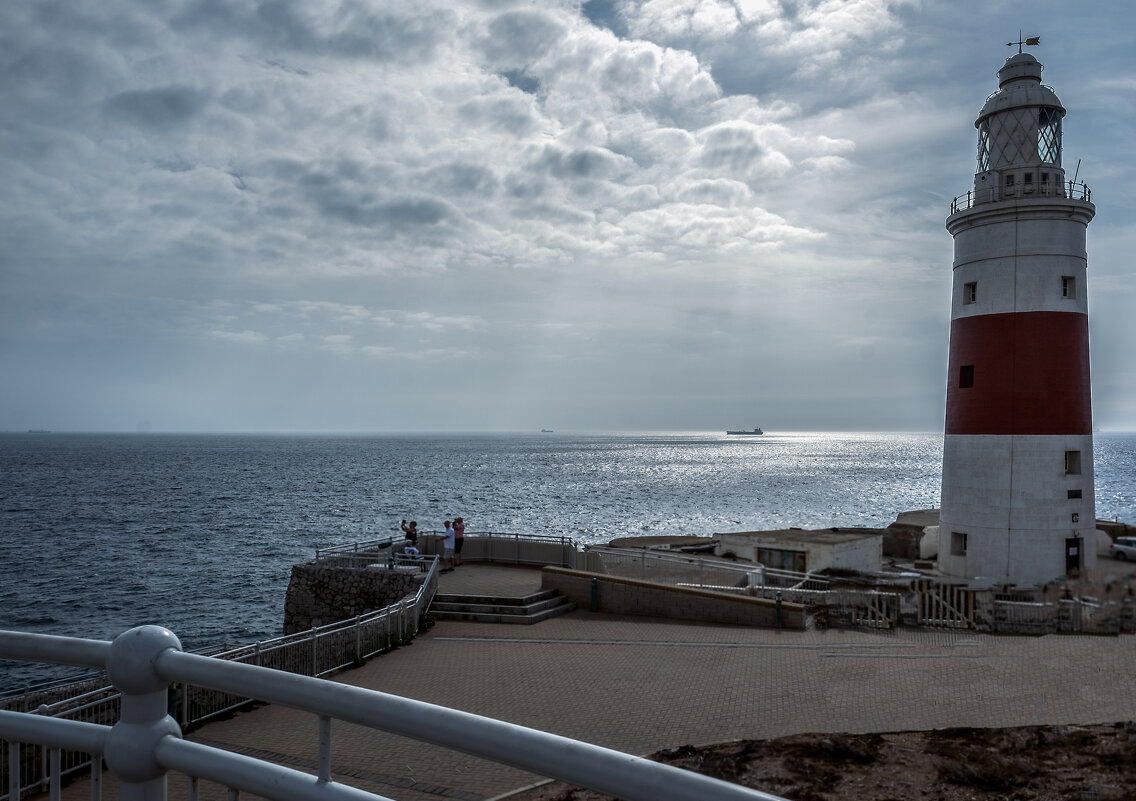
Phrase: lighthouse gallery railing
x=146 y=742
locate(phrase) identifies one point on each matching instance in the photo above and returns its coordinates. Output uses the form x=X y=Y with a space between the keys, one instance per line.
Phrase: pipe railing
x=146 y=742
x=668 y=567
x=1071 y=190
x=316 y=652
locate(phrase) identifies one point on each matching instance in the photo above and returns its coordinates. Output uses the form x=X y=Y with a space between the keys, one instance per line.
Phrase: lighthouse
x=1018 y=502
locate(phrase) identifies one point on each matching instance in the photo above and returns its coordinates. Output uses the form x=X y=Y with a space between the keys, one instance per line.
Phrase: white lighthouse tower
x=1017 y=498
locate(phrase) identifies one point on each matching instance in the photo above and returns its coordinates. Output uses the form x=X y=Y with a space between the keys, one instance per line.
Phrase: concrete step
x=527 y=609
x=495 y=600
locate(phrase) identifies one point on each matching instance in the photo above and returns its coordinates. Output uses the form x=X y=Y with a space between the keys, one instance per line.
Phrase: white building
x=807 y=551
x=1017 y=495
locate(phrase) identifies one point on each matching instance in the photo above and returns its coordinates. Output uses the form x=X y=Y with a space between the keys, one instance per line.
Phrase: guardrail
x=480 y=546
x=993 y=194
x=316 y=652
x=668 y=567
x=145 y=742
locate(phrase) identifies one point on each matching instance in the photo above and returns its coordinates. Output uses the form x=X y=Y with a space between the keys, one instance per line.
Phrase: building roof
x=830 y=536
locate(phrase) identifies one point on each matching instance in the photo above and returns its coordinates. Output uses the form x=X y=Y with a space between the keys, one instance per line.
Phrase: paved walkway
x=639 y=685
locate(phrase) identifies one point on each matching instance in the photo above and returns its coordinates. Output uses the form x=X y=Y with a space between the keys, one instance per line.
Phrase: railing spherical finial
x=132 y=658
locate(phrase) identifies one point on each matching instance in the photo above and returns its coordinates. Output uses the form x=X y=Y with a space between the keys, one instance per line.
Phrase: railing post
x=145 y=720
x=324 y=774
x=96 y=777
x=13 y=771
x=55 y=757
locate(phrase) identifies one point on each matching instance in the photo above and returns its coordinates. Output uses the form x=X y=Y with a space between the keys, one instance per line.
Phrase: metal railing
x=1069 y=189
x=145 y=742
x=668 y=567
x=315 y=652
x=480 y=546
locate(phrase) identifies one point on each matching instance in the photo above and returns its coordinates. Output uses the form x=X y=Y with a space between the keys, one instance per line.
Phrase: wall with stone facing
x=322 y=592
x=622 y=596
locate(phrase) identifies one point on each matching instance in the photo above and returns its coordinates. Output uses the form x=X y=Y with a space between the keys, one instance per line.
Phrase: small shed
x=805 y=551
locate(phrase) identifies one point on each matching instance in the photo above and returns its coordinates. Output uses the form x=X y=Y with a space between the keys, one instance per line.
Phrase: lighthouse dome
x=1019 y=84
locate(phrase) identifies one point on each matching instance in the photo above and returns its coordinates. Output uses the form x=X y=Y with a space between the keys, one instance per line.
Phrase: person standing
x=410 y=532
x=448 y=549
x=459 y=536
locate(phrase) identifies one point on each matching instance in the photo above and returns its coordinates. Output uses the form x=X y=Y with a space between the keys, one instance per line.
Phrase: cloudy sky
x=376 y=215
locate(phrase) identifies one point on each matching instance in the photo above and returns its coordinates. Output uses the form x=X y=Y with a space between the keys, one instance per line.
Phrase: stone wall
x=322 y=592
x=622 y=596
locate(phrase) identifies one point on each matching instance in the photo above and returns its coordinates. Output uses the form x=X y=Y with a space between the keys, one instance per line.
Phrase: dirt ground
x=1032 y=763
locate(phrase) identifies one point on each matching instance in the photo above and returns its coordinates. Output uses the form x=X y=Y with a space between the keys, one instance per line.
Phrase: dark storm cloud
x=461 y=178
x=509 y=113
x=586 y=162
x=351 y=30
x=386 y=217
x=159 y=108
x=517 y=38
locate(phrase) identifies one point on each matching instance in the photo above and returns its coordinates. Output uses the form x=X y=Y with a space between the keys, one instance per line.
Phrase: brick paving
x=639 y=685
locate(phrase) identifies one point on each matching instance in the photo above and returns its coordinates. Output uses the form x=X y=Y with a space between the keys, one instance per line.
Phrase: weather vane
x=1033 y=40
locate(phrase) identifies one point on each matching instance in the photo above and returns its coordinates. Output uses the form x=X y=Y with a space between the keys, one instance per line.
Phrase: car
x=1123 y=549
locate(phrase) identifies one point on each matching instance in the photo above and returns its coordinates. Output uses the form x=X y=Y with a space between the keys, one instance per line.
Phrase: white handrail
x=143 y=661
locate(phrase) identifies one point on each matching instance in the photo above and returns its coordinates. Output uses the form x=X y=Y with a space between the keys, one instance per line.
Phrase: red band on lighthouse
x=1028 y=373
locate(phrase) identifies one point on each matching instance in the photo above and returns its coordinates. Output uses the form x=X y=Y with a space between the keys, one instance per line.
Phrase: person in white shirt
x=448 y=549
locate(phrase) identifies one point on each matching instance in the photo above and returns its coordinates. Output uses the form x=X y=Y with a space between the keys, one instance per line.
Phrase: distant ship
x=753 y=433
x=546 y=431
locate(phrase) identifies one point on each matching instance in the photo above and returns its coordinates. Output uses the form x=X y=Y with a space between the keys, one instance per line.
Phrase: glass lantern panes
x=1049 y=135
x=984 y=146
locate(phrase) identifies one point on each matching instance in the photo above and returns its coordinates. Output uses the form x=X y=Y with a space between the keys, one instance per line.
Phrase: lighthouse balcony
x=995 y=194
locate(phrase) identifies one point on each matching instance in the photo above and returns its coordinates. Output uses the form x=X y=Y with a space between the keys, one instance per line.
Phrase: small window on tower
x=1074 y=494
x=1028 y=178
x=958 y=543
x=1072 y=463
x=1045 y=177
x=970 y=292
x=1068 y=286
x=966 y=376
x=1009 y=181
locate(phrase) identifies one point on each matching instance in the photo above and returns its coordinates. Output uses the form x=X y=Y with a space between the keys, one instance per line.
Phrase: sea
x=198 y=533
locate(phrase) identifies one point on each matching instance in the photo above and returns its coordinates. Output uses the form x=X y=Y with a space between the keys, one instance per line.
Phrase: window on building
x=782 y=560
x=1027 y=178
x=1049 y=135
x=1074 y=494
x=984 y=146
x=970 y=292
x=966 y=376
x=1073 y=463
x=1068 y=286
x=1009 y=181
x=1045 y=177
x=958 y=543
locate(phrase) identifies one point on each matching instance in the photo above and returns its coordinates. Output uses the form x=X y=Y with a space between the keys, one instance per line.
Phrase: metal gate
x=876 y=610
x=949 y=605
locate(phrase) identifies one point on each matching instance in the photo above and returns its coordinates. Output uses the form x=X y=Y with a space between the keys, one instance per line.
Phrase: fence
x=145 y=742
x=482 y=546
x=667 y=567
x=316 y=652
x=993 y=194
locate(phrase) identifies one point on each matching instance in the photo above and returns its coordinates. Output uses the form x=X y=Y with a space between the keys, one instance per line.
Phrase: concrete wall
x=322 y=592
x=621 y=596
